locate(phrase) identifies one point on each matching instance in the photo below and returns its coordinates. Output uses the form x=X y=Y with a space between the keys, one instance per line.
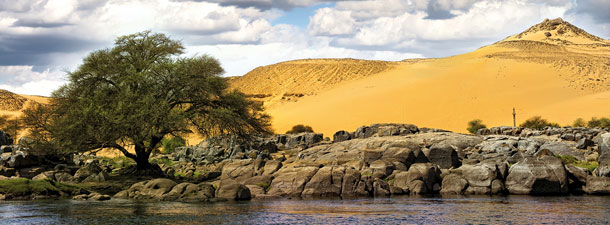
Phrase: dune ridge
x=553 y=69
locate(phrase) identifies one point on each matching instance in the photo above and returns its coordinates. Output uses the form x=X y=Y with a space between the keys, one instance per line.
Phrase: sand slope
x=562 y=75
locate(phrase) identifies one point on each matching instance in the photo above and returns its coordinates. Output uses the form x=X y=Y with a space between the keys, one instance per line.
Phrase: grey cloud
x=35 y=49
x=599 y=10
x=38 y=23
x=265 y=4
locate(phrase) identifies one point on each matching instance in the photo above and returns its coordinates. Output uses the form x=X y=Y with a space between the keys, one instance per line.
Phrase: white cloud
x=23 y=80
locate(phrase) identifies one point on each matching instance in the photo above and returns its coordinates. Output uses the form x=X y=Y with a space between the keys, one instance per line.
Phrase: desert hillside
x=553 y=69
x=12 y=104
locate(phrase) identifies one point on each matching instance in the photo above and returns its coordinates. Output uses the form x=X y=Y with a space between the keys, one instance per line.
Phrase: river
x=395 y=210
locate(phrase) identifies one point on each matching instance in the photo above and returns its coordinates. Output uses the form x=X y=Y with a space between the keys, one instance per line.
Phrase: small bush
x=169 y=144
x=538 y=122
x=571 y=160
x=599 y=123
x=579 y=123
x=475 y=125
x=300 y=129
x=24 y=187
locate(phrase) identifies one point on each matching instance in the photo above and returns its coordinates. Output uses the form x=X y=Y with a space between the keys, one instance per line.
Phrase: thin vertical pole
x=514 y=118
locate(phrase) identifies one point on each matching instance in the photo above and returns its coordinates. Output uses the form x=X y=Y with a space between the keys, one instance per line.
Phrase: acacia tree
x=138 y=92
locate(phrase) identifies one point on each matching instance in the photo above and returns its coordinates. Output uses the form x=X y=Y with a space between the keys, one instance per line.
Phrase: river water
x=395 y=210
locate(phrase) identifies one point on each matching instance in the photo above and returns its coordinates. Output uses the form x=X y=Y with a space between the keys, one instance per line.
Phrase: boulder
x=353 y=184
x=326 y=182
x=537 y=175
x=422 y=178
x=5 y=139
x=232 y=190
x=151 y=189
x=341 y=135
x=22 y=159
x=290 y=181
x=583 y=143
x=443 y=155
x=380 y=188
x=271 y=166
x=382 y=168
x=189 y=192
x=603 y=148
x=453 y=184
x=88 y=170
x=597 y=185
x=559 y=148
x=238 y=169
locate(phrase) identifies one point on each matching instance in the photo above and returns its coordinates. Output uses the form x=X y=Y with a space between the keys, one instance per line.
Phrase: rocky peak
x=556 y=31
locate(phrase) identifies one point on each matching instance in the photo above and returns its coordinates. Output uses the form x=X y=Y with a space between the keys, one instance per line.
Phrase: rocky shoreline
x=377 y=160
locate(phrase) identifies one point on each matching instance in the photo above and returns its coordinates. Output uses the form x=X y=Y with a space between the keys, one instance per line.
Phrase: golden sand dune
x=12 y=104
x=553 y=69
x=289 y=81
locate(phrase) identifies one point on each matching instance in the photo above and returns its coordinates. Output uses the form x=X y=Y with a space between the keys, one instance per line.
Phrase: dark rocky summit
x=376 y=160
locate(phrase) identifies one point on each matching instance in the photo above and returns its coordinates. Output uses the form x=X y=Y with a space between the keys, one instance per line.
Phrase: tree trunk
x=145 y=168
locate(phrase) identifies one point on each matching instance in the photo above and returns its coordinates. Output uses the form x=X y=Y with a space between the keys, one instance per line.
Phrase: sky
x=42 y=40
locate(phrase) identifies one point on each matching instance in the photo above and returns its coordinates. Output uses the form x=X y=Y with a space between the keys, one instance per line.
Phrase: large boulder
x=382 y=130
x=537 y=175
x=597 y=185
x=422 y=178
x=22 y=159
x=232 y=190
x=453 y=184
x=290 y=181
x=559 y=148
x=326 y=182
x=5 y=139
x=341 y=136
x=603 y=146
x=444 y=155
x=239 y=169
x=151 y=189
x=89 y=173
x=354 y=184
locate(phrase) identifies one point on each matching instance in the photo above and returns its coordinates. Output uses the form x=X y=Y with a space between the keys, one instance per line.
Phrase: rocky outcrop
x=162 y=189
x=603 y=169
x=542 y=175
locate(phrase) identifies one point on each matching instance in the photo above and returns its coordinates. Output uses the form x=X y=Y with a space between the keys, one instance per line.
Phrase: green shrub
x=169 y=144
x=300 y=129
x=571 y=160
x=599 y=123
x=538 y=122
x=23 y=187
x=264 y=185
x=116 y=162
x=475 y=125
x=579 y=123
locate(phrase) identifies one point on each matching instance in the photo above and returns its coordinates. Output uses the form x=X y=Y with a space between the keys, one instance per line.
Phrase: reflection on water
x=396 y=210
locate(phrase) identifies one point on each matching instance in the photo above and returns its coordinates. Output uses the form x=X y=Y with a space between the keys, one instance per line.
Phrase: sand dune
x=553 y=69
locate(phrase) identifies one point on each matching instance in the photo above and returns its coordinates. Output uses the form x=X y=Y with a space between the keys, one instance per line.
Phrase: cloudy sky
x=42 y=39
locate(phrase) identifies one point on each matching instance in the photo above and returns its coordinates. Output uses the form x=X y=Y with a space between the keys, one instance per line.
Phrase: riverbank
x=380 y=160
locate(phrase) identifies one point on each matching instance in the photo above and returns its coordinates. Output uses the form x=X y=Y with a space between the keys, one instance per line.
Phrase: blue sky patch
x=300 y=16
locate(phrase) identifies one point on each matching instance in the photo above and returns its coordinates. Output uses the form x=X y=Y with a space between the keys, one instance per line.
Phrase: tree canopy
x=138 y=92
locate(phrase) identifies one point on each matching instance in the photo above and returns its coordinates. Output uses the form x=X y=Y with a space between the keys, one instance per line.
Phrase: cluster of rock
x=386 y=159
x=217 y=149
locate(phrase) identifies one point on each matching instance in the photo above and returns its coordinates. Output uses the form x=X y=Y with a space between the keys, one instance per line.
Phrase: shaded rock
x=291 y=181
x=453 y=184
x=543 y=175
x=256 y=190
x=583 y=143
x=350 y=182
x=341 y=136
x=151 y=189
x=597 y=185
x=444 y=155
x=238 y=169
x=603 y=146
x=382 y=168
x=271 y=166
x=189 y=192
x=559 y=148
x=380 y=188
x=422 y=178
x=326 y=182
x=232 y=190
x=5 y=139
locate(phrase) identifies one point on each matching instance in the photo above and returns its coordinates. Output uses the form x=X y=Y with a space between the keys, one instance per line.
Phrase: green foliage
x=475 y=125
x=24 y=187
x=579 y=123
x=10 y=126
x=138 y=92
x=538 y=122
x=116 y=162
x=599 y=123
x=264 y=185
x=163 y=161
x=300 y=128
x=169 y=144
x=571 y=160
